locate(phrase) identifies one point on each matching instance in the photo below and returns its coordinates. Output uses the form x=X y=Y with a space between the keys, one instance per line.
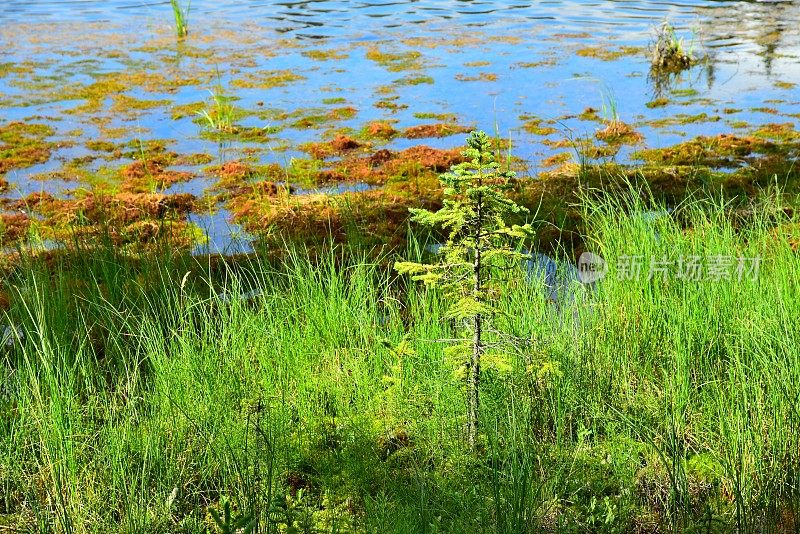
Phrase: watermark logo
x=591 y=268
x=689 y=268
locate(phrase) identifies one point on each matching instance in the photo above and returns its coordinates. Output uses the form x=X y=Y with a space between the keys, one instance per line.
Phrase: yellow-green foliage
x=480 y=241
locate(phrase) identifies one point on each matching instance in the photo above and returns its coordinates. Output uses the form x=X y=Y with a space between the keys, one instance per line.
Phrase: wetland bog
x=201 y=204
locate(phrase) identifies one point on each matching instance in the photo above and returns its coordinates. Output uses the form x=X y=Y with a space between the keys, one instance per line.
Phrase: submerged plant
x=480 y=244
x=181 y=14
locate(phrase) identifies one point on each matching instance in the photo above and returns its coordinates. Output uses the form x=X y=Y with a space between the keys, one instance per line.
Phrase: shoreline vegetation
x=155 y=393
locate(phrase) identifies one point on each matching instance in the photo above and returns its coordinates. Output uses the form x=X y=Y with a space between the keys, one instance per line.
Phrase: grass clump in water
x=181 y=15
x=670 y=53
x=220 y=114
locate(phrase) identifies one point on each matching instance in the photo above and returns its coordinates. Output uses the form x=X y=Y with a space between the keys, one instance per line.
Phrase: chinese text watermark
x=711 y=268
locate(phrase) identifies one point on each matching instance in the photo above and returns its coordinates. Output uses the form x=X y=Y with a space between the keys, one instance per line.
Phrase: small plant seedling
x=480 y=244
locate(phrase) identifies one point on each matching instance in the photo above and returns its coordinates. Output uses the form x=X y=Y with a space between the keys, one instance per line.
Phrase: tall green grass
x=145 y=393
x=181 y=15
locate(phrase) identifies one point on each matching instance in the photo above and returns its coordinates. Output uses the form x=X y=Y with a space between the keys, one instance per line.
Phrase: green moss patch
x=23 y=145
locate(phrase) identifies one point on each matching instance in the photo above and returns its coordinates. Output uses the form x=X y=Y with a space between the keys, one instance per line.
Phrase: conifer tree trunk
x=473 y=379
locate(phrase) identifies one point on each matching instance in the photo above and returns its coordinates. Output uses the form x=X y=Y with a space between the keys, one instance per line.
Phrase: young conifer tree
x=481 y=244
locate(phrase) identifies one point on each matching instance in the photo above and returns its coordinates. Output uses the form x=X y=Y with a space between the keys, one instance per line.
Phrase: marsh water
x=298 y=72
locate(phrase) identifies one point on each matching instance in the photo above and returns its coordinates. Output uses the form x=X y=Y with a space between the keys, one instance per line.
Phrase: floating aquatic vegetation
x=783 y=132
x=129 y=105
x=606 y=53
x=754 y=157
x=449 y=117
x=682 y=118
x=658 y=102
x=784 y=85
x=379 y=130
x=267 y=79
x=415 y=80
x=442 y=129
x=338 y=145
x=325 y=55
x=767 y=110
x=669 y=52
x=396 y=61
x=534 y=125
x=536 y=64
x=557 y=159
x=590 y=114
x=245 y=134
x=23 y=145
x=144 y=176
x=480 y=77
x=390 y=103
x=618 y=133
x=100 y=145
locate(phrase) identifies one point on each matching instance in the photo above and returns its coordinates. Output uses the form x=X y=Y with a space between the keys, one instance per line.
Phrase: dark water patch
x=219 y=235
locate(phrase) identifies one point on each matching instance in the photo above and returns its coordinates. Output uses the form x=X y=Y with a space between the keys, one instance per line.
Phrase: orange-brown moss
x=128 y=220
x=371 y=218
x=338 y=145
x=385 y=165
x=233 y=175
x=379 y=130
x=428 y=158
x=146 y=175
x=618 y=133
x=441 y=129
x=13 y=227
x=557 y=159
x=97 y=208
